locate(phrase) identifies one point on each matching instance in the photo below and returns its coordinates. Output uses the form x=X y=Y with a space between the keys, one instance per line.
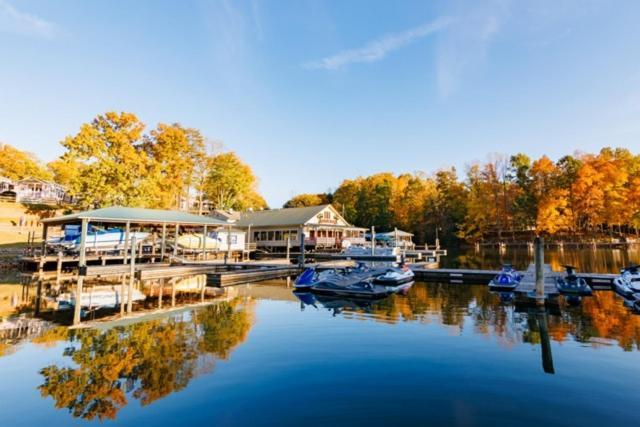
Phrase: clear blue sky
x=312 y=92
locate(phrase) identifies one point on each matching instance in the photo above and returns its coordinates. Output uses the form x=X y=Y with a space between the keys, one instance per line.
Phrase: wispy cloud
x=463 y=49
x=379 y=48
x=16 y=22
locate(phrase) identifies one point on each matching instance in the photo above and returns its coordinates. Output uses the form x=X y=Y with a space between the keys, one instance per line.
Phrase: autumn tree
x=16 y=164
x=306 y=199
x=110 y=165
x=231 y=184
x=175 y=152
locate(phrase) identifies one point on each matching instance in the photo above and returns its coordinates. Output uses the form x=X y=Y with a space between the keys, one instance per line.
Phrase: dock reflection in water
x=450 y=350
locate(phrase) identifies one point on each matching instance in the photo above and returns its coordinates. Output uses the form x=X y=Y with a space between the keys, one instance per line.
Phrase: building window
x=278 y=235
x=270 y=235
x=263 y=235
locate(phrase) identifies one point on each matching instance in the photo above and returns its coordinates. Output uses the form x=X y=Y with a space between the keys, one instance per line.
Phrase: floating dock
x=527 y=284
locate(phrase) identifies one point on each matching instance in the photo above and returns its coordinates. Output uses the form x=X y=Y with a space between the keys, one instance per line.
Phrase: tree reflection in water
x=602 y=316
x=146 y=360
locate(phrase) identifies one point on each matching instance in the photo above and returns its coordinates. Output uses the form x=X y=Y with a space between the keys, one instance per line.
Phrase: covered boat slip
x=157 y=225
x=105 y=235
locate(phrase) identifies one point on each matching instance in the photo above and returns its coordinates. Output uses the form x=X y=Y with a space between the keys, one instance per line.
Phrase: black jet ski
x=571 y=284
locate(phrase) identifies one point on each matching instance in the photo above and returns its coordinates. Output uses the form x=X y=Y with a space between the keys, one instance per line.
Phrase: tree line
x=506 y=197
x=113 y=161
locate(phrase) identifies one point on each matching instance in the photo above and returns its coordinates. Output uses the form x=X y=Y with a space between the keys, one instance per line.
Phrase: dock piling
x=539 y=263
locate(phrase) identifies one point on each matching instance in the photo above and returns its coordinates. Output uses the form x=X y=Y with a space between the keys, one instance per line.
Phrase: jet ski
x=309 y=277
x=572 y=284
x=507 y=280
x=395 y=276
x=629 y=279
x=344 y=285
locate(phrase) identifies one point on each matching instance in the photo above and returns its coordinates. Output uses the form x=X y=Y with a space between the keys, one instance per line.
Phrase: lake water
x=440 y=355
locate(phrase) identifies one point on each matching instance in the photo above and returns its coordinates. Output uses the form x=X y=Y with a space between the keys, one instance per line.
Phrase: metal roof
x=284 y=217
x=116 y=214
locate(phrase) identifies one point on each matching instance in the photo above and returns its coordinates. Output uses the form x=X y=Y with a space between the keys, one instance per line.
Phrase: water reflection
x=144 y=361
x=587 y=320
x=104 y=370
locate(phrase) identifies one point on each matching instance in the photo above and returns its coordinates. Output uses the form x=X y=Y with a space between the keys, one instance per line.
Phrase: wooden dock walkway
x=471 y=276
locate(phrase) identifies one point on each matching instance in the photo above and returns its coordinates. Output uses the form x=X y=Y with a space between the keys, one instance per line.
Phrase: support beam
x=59 y=268
x=229 y=242
x=82 y=264
x=175 y=241
x=163 y=244
x=301 y=260
x=45 y=230
x=204 y=242
x=127 y=232
x=132 y=275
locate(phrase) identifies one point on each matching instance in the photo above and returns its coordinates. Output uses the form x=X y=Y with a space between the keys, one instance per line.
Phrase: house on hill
x=39 y=191
x=322 y=225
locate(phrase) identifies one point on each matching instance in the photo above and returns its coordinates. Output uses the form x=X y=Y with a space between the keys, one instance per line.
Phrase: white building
x=322 y=225
x=35 y=191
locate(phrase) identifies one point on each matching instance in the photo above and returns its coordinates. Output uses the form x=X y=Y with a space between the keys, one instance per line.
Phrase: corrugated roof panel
x=136 y=215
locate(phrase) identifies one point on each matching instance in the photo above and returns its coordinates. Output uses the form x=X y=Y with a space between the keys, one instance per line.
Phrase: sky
x=311 y=92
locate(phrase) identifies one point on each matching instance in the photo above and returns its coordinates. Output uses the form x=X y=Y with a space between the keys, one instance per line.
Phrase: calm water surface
x=441 y=355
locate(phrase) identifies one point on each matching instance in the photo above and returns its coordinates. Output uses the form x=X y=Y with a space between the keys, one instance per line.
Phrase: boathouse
x=322 y=225
x=398 y=238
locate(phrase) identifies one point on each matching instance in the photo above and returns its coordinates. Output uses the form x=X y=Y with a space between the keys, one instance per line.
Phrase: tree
x=16 y=164
x=112 y=167
x=306 y=199
x=231 y=184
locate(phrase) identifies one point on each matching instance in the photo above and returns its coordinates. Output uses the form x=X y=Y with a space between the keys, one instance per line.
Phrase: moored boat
x=396 y=276
x=629 y=279
x=571 y=284
x=195 y=241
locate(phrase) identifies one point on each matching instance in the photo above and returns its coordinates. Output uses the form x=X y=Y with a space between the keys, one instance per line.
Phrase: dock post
x=132 y=274
x=82 y=264
x=373 y=241
x=539 y=262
